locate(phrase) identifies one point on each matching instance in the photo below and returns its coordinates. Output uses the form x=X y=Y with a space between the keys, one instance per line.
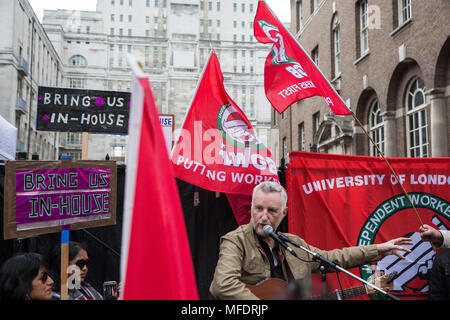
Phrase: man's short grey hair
x=270 y=186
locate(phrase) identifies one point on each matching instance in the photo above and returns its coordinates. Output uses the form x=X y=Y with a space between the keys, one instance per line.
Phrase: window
x=285 y=149
x=313 y=5
x=337 y=51
x=404 y=11
x=376 y=129
x=299 y=14
x=301 y=137
x=364 y=26
x=315 y=55
x=316 y=122
x=417 y=123
x=73 y=138
x=76 y=83
x=78 y=61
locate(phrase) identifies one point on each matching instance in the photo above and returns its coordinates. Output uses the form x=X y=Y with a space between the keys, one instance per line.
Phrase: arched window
x=417 y=122
x=376 y=129
x=78 y=61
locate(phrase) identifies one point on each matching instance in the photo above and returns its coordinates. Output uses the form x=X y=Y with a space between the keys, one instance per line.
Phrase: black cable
x=103 y=243
x=340 y=285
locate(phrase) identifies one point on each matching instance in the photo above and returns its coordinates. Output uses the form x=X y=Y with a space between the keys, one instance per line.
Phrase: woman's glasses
x=44 y=277
x=81 y=263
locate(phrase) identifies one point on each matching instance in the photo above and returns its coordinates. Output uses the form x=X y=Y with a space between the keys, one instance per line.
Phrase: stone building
x=27 y=59
x=173 y=39
x=389 y=61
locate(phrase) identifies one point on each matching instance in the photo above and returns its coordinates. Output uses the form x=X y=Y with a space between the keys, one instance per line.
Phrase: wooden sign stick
x=64 y=263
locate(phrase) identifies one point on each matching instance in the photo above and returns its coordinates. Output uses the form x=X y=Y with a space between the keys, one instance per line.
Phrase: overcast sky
x=280 y=7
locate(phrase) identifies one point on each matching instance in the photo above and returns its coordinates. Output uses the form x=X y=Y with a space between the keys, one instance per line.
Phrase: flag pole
x=192 y=100
x=352 y=113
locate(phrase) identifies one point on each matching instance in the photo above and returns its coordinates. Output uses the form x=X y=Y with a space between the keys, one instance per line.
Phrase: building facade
x=389 y=61
x=172 y=39
x=27 y=59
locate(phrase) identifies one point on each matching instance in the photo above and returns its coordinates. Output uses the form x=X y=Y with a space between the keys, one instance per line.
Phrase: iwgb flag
x=156 y=261
x=289 y=73
x=337 y=201
x=218 y=149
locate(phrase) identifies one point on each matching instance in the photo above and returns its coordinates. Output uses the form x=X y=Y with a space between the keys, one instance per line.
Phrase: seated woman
x=25 y=277
x=78 y=287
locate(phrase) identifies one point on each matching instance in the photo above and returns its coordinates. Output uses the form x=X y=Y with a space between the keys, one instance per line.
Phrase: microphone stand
x=325 y=262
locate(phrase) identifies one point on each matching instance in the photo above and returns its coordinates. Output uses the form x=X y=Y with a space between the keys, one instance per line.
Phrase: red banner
x=218 y=149
x=337 y=201
x=289 y=73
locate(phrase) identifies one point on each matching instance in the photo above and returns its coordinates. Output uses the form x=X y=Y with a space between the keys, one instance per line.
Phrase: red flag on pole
x=289 y=73
x=218 y=149
x=156 y=260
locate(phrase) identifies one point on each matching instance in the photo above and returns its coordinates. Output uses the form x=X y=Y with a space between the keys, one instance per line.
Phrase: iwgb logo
x=412 y=272
x=279 y=54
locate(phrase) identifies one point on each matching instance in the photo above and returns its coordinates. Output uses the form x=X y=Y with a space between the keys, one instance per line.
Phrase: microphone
x=268 y=231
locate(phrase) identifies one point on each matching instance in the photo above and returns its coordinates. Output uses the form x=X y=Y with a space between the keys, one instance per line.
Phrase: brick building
x=389 y=61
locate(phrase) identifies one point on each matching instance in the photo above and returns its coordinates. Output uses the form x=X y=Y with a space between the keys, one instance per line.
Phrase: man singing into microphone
x=249 y=256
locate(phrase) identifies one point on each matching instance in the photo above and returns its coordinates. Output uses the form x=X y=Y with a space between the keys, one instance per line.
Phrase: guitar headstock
x=381 y=282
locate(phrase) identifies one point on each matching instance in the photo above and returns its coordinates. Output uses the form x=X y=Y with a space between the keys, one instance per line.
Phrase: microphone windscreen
x=267 y=229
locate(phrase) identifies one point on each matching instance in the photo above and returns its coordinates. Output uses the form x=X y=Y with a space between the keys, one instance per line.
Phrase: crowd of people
x=248 y=255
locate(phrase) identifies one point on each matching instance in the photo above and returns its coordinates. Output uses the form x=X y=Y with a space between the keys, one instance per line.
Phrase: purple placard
x=57 y=194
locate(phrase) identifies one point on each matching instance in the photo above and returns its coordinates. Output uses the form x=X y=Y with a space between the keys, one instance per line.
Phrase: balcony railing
x=23 y=66
x=21 y=105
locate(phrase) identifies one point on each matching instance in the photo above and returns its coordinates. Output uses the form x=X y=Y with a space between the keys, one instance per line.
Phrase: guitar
x=277 y=289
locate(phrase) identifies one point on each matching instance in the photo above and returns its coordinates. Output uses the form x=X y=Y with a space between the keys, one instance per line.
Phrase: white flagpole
x=192 y=100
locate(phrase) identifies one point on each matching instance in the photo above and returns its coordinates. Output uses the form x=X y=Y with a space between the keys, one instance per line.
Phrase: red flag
x=217 y=149
x=156 y=260
x=241 y=205
x=289 y=73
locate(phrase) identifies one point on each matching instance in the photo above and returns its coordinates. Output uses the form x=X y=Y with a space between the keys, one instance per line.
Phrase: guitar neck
x=342 y=294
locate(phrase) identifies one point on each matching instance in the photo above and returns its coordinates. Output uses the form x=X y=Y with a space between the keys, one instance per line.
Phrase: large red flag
x=217 y=149
x=289 y=73
x=156 y=260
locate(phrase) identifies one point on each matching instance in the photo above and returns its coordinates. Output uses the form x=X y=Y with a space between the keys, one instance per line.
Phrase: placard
x=167 y=124
x=43 y=196
x=80 y=110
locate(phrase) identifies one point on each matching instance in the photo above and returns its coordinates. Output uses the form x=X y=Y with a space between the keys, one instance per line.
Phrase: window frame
x=416 y=134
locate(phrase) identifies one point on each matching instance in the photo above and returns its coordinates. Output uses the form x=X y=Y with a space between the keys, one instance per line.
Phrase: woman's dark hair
x=53 y=260
x=17 y=274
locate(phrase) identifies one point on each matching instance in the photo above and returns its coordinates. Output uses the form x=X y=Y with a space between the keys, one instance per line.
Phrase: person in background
x=25 y=277
x=78 y=287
